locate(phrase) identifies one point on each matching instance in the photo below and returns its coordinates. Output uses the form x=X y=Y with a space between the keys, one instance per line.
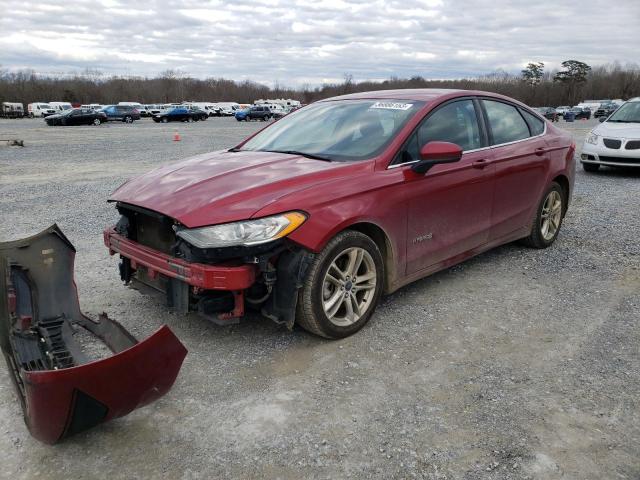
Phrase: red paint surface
x=485 y=199
x=122 y=382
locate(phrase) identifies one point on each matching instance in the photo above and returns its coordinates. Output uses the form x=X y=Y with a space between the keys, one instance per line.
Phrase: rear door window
x=536 y=125
x=505 y=122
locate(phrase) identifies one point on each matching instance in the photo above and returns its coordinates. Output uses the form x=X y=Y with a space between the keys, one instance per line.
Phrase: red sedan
x=316 y=216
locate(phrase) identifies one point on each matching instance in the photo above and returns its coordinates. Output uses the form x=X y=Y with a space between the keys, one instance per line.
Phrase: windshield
x=337 y=130
x=627 y=113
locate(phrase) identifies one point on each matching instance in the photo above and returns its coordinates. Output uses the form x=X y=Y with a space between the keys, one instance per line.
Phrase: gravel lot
x=516 y=364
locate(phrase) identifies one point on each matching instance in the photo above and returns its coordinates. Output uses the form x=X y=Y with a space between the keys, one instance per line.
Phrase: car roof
x=419 y=94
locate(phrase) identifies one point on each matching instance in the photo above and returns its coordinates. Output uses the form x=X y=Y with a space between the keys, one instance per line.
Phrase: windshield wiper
x=622 y=121
x=302 y=154
x=234 y=149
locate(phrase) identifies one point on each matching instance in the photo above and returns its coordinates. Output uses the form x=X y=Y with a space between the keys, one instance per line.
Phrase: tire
x=590 y=167
x=164 y=120
x=317 y=292
x=96 y=121
x=546 y=225
x=127 y=119
x=189 y=119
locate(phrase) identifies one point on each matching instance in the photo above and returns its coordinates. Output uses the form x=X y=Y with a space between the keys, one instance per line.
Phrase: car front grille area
x=612 y=143
x=147 y=228
x=633 y=145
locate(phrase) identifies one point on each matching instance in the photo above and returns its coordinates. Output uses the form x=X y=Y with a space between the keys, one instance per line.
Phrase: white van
x=228 y=109
x=40 y=109
x=92 y=106
x=60 y=106
x=211 y=108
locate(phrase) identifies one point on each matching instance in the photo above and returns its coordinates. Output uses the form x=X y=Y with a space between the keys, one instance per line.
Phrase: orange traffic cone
x=176 y=137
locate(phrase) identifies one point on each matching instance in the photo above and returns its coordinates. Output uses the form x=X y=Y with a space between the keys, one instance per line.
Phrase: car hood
x=224 y=186
x=618 y=130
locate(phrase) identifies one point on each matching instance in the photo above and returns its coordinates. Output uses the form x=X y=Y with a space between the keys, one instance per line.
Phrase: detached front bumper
x=202 y=276
x=61 y=390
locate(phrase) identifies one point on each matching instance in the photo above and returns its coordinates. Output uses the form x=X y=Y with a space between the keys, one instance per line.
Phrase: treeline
x=534 y=86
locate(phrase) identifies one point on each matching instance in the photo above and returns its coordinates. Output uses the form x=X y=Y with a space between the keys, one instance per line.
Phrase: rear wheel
x=549 y=216
x=590 y=167
x=97 y=121
x=343 y=286
x=127 y=119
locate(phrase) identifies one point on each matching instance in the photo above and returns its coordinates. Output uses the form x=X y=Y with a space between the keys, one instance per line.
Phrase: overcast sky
x=304 y=41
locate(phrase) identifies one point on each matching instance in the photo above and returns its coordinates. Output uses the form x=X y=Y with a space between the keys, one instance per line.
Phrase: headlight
x=245 y=233
x=592 y=138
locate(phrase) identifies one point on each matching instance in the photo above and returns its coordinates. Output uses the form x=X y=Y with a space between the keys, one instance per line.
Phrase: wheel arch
x=381 y=239
x=563 y=181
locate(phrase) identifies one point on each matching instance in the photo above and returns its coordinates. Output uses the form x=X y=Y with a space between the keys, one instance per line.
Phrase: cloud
x=308 y=41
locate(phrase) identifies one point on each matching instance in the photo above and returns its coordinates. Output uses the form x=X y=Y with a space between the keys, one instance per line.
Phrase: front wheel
x=127 y=119
x=343 y=286
x=549 y=216
x=97 y=121
x=164 y=120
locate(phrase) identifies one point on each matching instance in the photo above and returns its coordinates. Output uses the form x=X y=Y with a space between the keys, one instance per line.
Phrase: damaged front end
x=215 y=282
x=63 y=392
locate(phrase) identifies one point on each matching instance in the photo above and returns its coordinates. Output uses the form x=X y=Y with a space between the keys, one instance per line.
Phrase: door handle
x=540 y=151
x=479 y=163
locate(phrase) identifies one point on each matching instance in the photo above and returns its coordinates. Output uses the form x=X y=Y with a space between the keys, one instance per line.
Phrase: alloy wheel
x=551 y=215
x=349 y=286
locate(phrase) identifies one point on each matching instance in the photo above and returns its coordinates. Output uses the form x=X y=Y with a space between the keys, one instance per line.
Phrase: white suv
x=616 y=141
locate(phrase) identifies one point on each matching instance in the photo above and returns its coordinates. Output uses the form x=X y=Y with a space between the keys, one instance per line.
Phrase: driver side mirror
x=602 y=119
x=434 y=153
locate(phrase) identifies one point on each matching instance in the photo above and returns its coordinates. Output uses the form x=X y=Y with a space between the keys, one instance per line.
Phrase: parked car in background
x=198 y=114
x=561 y=110
x=316 y=216
x=578 y=113
x=605 y=110
x=179 y=114
x=121 y=113
x=211 y=109
x=228 y=109
x=40 y=109
x=549 y=113
x=144 y=111
x=154 y=109
x=256 y=112
x=93 y=106
x=61 y=106
x=12 y=110
x=77 y=116
x=615 y=142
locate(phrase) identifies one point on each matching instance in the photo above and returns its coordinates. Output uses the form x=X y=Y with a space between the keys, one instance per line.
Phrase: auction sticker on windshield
x=392 y=105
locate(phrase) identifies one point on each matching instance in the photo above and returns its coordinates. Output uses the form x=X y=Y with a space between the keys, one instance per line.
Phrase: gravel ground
x=516 y=364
